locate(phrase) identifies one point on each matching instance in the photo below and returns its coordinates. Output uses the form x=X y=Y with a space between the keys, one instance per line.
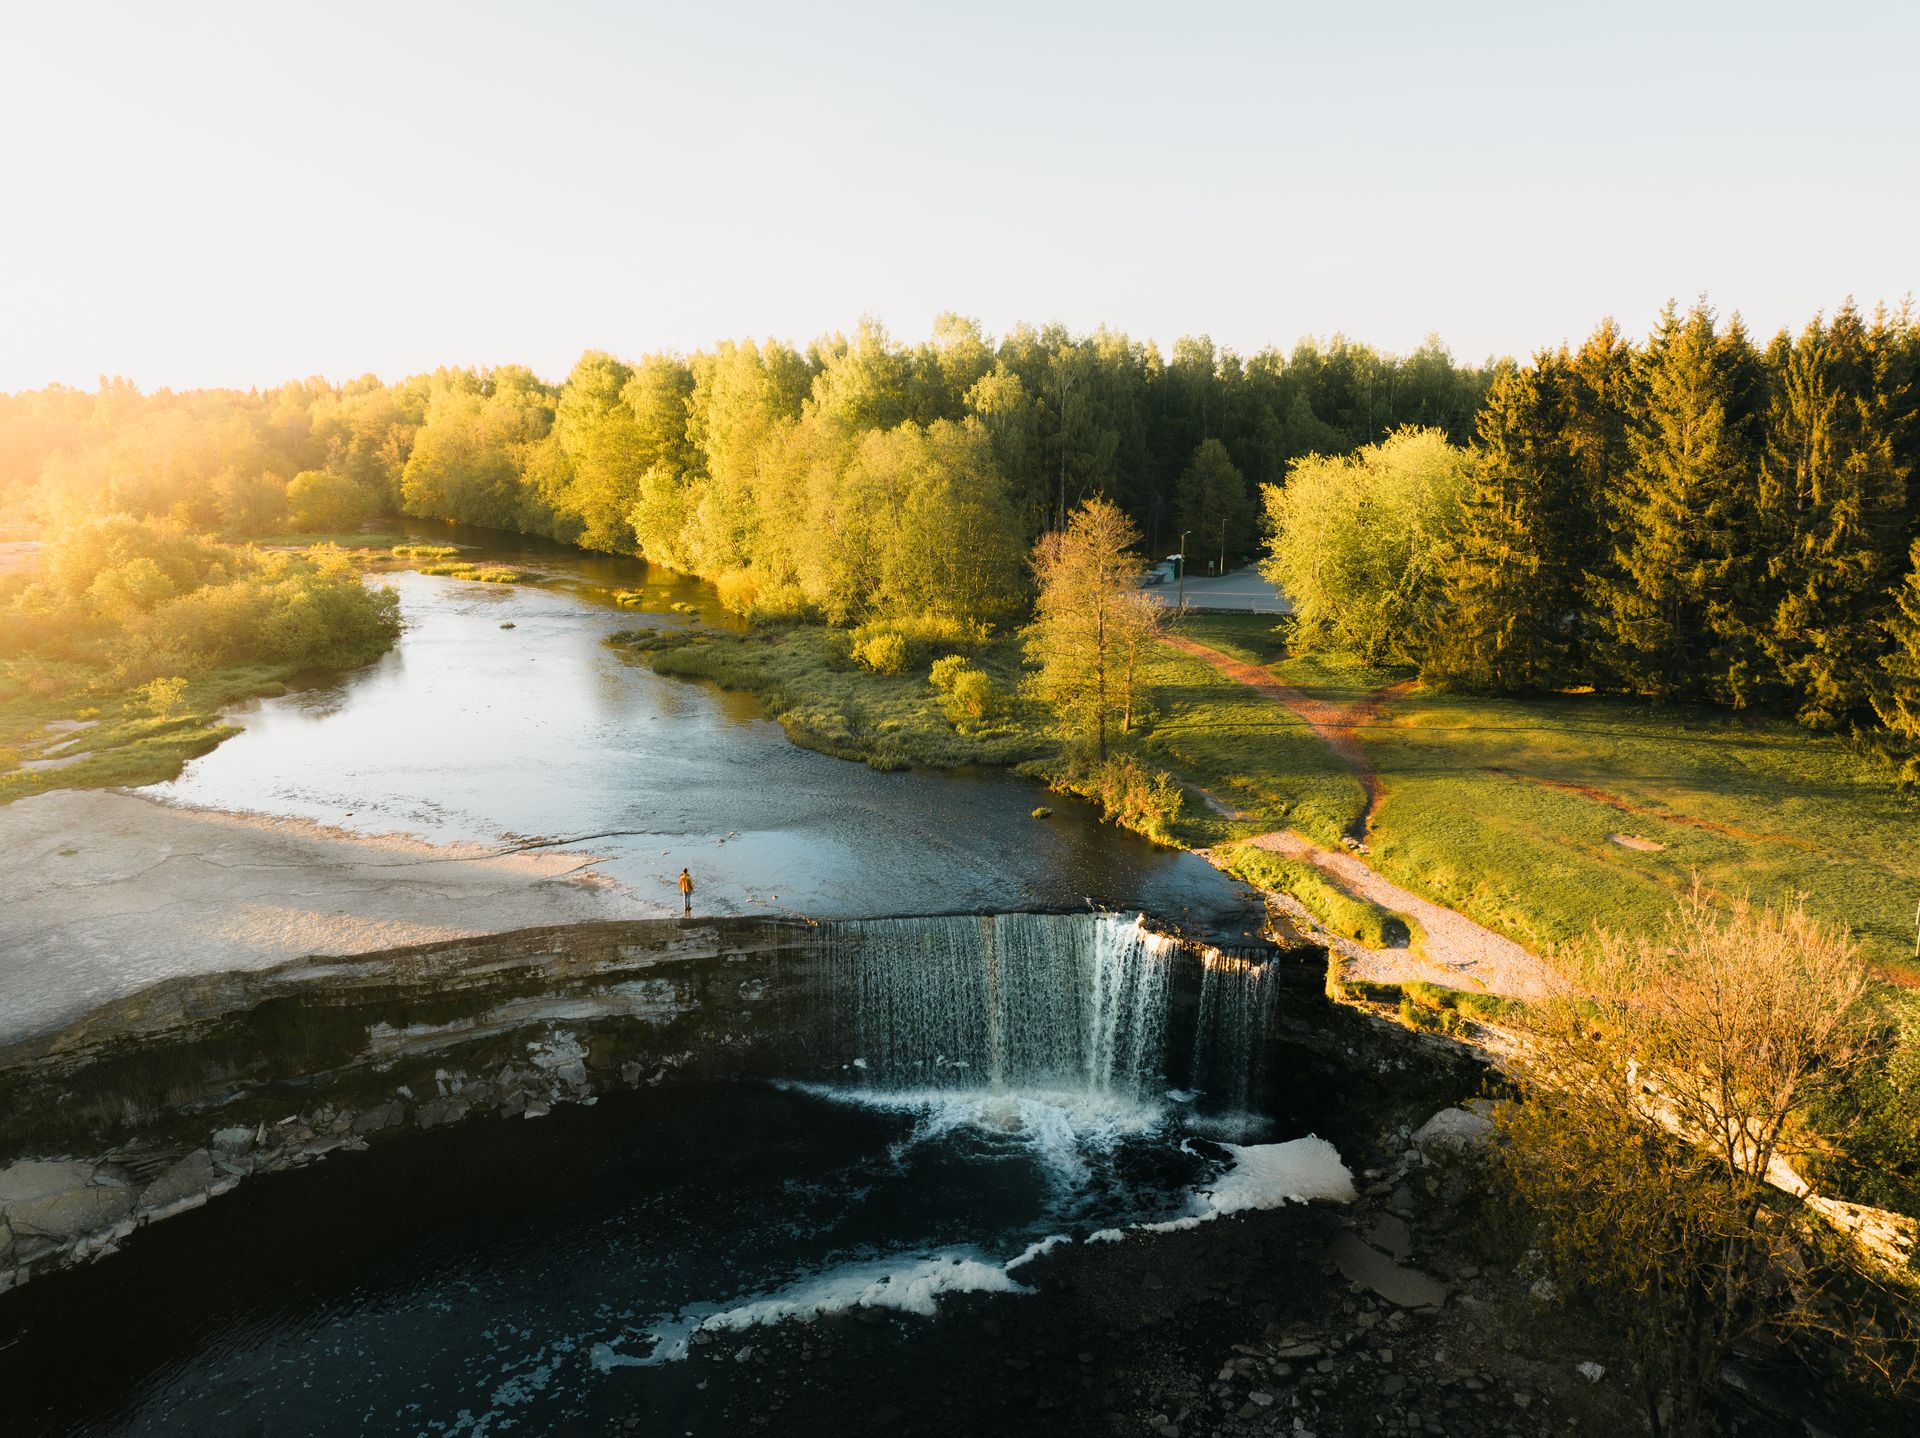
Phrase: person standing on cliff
x=686 y=892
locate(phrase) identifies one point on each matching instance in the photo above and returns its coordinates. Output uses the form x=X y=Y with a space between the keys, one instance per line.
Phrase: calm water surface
x=471 y=731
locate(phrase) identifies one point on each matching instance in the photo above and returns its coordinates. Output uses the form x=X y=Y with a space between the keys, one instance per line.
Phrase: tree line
x=805 y=474
x=1695 y=518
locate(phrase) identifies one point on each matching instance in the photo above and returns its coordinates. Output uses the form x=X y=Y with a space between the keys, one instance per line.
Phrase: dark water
x=468 y=731
x=485 y=1279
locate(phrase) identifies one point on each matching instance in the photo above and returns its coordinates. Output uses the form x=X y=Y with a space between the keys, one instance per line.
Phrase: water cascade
x=1055 y=1002
x=1238 y=998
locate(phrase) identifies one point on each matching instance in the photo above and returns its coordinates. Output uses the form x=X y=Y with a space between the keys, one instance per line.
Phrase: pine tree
x=1896 y=697
x=1513 y=573
x=1832 y=513
x=1674 y=602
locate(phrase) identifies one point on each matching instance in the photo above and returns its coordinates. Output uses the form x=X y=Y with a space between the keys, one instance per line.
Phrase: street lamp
x=1183 y=569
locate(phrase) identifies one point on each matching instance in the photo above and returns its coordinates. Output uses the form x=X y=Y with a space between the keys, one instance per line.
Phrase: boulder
x=1372 y=1269
x=1390 y=1234
x=1453 y=1131
x=437 y=1111
x=380 y=1117
x=6 y=1242
x=234 y=1140
x=184 y=1183
x=59 y=1201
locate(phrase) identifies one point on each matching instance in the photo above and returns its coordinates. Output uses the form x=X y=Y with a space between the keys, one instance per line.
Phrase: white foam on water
x=903 y=1285
x=1038 y=1250
x=1058 y=1130
x=1263 y=1175
x=1266 y=1175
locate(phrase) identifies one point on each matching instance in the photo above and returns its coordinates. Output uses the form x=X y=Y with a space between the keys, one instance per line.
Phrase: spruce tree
x=1601 y=381
x=1832 y=513
x=1674 y=602
x=1512 y=574
x=1896 y=697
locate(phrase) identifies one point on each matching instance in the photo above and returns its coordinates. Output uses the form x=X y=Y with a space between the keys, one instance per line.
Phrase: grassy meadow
x=1508 y=809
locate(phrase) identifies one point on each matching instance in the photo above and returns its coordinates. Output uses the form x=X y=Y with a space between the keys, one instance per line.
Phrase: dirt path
x=1454 y=950
x=1333 y=722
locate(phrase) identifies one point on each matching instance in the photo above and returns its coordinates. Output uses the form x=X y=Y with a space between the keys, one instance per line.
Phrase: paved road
x=1239 y=589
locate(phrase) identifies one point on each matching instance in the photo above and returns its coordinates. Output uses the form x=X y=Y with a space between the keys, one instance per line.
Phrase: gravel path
x=1455 y=952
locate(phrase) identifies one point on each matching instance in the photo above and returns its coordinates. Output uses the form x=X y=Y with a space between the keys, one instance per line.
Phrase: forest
x=810 y=471
x=1698 y=517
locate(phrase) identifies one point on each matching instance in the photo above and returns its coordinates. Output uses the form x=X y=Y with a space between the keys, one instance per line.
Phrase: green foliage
x=884 y=653
x=1896 y=697
x=1671 y=602
x=161 y=697
x=1866 y=1135
x=1342 y=913
x=480 y=573
x=974 y=698
x=129 y=600
x=1127 y=792
x=804 y=678
x=1212 y=501
x=425 y=551
x=1091 y=626
x=1357 y=543
x=320 y=499
x=947 y=669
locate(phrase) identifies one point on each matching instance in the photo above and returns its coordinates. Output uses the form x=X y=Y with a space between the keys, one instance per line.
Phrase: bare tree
x=1646 y=1150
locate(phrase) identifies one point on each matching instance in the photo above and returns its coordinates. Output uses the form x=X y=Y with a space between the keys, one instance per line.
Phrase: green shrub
x=946 y=670
x=973 y=699
x=1135 y=798
x=161 y=697
x=884 y=653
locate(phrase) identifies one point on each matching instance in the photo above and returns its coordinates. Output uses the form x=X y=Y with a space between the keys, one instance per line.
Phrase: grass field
x=806 y=679
x=1508 y=809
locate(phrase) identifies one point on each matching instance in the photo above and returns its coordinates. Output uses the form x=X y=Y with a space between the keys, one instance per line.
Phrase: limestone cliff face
x=182 y=1091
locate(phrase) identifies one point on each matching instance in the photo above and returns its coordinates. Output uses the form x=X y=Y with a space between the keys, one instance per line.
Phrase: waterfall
x=1091 y=1004
x=1237 y=998
x=1004 y=1001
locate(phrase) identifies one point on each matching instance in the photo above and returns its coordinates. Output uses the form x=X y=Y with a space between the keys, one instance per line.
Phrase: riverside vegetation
x=118 y=654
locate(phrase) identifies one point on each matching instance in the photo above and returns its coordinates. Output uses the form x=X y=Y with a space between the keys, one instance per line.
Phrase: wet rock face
x=61 y=1201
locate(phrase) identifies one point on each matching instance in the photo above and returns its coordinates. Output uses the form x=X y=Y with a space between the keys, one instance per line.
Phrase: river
x=502 y=716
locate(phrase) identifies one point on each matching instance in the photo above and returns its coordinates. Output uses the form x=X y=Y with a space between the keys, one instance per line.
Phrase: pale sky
x=239 y=194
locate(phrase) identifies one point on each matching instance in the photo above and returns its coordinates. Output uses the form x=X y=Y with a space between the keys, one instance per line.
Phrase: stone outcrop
x=61 y=1201
x=189 y=1088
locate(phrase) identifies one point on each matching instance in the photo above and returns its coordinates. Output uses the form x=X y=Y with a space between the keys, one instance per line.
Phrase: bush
x=1135 y=799
x=972 y=698
x=738 y=590
x=946 y=670
x=882 y=653
x=161 y=698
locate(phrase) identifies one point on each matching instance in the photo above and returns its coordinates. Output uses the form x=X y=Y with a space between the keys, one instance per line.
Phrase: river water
x=474 y=731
